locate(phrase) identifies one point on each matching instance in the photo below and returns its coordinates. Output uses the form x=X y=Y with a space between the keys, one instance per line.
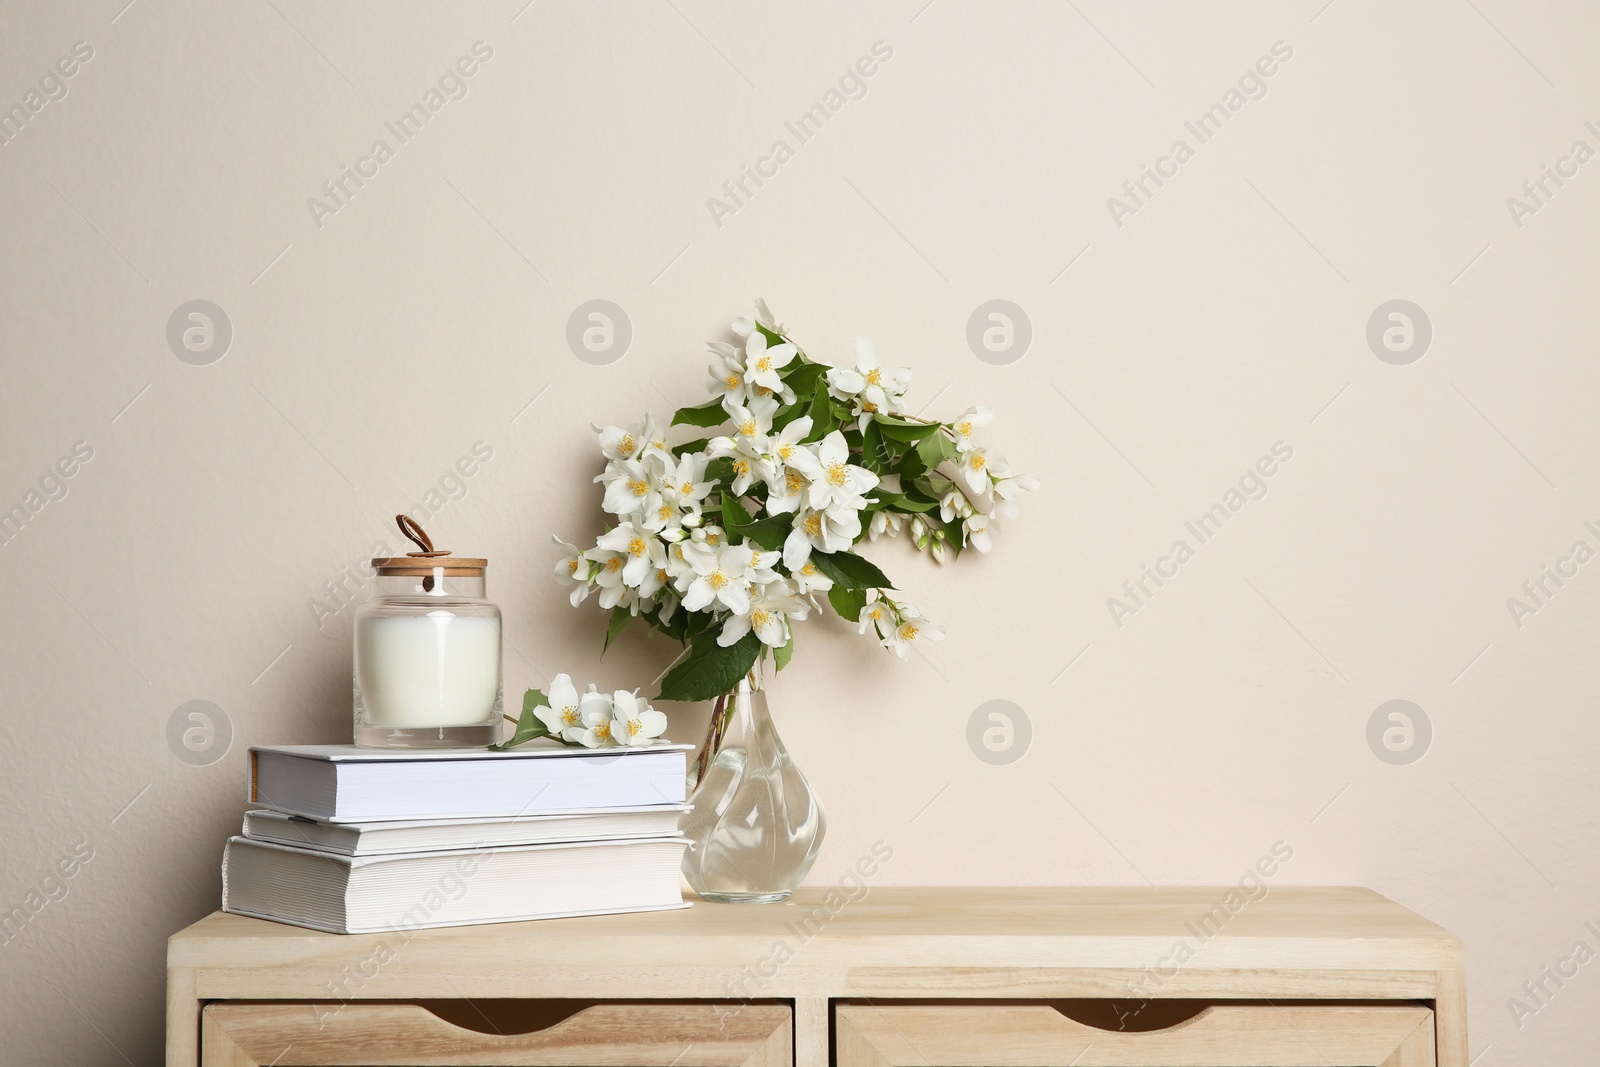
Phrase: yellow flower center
x=686 y=488
x=814 y=525
x=636 y=547
x=762 y=390
x=764 y=363
x=748 y=427
x=733 y=382
x=964 y=429
x=640 y=488
x=713 y=538
x=635 y=727
x=793 y=480
x=908 y=631
x=614 y=564
x=626 y=446
x=665 y=512
x=809 y=570
x=978 y=462
x=874 y=378
x=837 y=475
x=741 y=467
x=875 y=614
x=572 y=566
x=869 y=407
x=602 y=730
x=716 y=579
x=759 y=618
x=569 y=715
x=785 y=452
x=661 y=576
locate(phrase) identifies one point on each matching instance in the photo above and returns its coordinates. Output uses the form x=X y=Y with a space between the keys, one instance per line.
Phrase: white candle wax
x=437 y=669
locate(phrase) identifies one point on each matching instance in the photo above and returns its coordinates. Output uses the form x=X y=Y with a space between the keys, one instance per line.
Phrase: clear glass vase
x=756 y=826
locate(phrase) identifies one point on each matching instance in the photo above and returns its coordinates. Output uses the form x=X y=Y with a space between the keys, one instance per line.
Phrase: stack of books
x=360 y=840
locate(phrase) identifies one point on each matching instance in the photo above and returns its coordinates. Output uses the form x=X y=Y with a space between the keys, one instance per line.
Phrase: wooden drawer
x=357 y=1033
x=1221 y=1035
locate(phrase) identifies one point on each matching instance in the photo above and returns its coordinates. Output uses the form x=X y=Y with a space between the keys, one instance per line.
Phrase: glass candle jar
x=427 y=656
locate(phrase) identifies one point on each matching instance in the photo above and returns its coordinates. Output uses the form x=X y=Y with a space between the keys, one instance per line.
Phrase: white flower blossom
x=608 y=578
x=720 y=575
x=634 y=723
x=883 y=522
x=823 y=531
x=594 y=715
x=744 y=326
x=562 y=713
x=762 y=364
x=872 y=389
x=573 y=569
x=912 y=626
x=636 y=442
x=726 y=378
x=631 y=489
x=643 y=553
x=840 y=483
x=969 y=420
x=768 y=614
x=976 y=464
x=808 y=579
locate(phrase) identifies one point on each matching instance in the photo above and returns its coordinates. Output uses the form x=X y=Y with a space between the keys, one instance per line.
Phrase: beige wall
x=1224 y=314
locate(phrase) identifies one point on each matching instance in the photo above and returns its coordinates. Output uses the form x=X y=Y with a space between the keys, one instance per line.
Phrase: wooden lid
x=453 y=566
x=430 y=560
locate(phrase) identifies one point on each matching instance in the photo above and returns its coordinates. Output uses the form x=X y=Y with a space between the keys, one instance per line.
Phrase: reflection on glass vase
x=756 y=826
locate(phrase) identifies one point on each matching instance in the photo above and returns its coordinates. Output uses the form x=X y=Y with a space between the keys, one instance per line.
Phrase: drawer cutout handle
x=1132 y=1016
x=505 y=1018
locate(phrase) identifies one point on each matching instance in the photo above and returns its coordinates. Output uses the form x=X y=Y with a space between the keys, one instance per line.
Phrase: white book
x=433 y=835
x=350 y=784
x=461 y=887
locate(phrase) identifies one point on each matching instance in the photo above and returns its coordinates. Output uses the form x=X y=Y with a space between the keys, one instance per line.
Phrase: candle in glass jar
x=437 y=669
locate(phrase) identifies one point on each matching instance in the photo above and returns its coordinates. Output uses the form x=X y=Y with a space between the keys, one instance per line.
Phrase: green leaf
x=675 y=627
x=905 y=504
x=900 y=430
x=874 y=453
x=620 y=618
x=711 y=669
x=802 y=377
x=530 y=726
x=822 y=416
x=935 y=449
x=772 y=338
x=911 y=467
x=697 y=445
x=782 y=656
x=850 y=570
x=711 y=413
x=769 y=533
x=734 y=516
x=847 y=602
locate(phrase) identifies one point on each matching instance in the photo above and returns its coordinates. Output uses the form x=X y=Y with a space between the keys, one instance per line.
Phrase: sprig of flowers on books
x=726 y=541
x=588 y=720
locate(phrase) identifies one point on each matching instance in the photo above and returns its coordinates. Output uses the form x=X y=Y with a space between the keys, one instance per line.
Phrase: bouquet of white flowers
x=723 y=542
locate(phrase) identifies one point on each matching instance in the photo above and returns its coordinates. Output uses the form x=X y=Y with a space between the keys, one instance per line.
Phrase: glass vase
x=756 y=826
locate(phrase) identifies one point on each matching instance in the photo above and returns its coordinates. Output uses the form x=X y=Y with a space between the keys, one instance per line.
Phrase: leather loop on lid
x=427 y=561
x=418 y=536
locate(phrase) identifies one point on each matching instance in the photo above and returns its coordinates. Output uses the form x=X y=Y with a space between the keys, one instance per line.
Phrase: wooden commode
x=857 y=976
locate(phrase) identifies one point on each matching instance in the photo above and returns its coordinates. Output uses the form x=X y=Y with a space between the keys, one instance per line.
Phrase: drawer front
x=356 y=1034
x=1220 y=1036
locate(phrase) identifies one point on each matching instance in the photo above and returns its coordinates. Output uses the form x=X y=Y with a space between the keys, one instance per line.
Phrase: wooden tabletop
x=832 y=929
